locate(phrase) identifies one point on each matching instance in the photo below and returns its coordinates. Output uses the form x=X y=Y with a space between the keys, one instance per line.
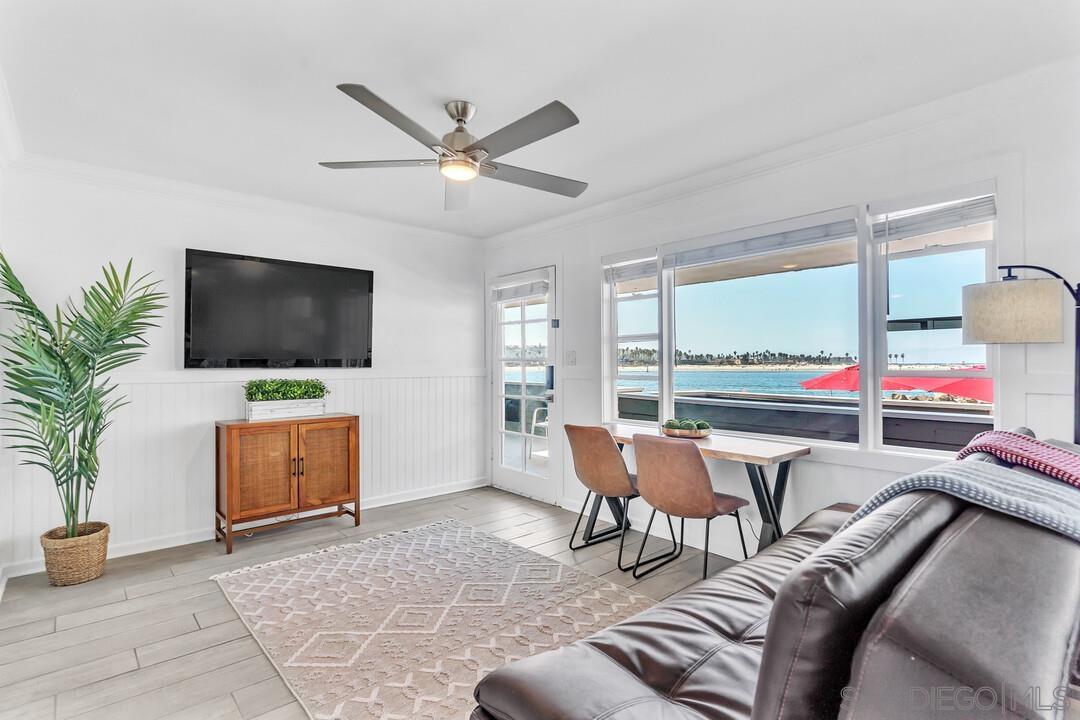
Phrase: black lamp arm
x=1073 y=290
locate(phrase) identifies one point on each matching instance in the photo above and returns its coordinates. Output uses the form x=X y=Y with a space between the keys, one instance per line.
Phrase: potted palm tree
x=60 y=400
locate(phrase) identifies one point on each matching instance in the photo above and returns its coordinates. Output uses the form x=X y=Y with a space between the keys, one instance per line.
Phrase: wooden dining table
x=756 y=455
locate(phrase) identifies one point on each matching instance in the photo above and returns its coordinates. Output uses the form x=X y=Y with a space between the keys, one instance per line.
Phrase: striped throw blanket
x=1017 y=449
x=1039 y=500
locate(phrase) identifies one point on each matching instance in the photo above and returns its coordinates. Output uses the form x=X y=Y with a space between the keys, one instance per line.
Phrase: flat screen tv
x=244 y=311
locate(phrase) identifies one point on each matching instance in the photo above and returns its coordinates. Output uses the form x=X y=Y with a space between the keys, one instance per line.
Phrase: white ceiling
x=240 y=94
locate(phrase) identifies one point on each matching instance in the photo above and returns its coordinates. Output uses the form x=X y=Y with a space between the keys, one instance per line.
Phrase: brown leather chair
x=673 y=479
x=599 y=465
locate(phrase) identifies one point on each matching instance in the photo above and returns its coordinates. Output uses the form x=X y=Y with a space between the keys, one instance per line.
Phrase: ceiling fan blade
x=357 y=164
x=391 y=114
x=456 y=195
x=533 y=179
x=537 y=125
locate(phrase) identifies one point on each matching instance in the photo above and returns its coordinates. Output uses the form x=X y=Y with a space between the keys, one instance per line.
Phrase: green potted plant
x=279 y=398
x=60 y=400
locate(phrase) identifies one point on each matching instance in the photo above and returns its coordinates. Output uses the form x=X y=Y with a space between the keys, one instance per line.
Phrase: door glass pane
x=536 y=309
x=536 y=455
x=536 y=339
x=536 y=380
x=512 y=451
x=536 y=417
x=511 y=343
x=512 y=414
x=512 y=375
x=511 y=312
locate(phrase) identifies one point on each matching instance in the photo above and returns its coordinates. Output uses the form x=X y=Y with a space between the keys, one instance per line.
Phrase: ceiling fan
x=460 y=157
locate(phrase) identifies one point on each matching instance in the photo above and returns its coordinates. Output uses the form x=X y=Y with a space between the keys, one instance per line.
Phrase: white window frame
x=878 y=325
x=872 y=316
x=612 y=338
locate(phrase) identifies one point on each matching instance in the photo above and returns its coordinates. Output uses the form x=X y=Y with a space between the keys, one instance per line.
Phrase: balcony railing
x=906 y=423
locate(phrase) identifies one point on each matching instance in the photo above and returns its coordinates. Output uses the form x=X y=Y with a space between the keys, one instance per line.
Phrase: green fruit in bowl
x=688 y=425
x=702 y=425
x=672 y=425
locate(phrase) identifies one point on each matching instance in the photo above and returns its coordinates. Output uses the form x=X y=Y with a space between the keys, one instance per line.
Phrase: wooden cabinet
x=270 y=468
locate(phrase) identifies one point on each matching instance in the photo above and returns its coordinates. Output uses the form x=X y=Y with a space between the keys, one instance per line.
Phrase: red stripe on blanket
x=1022 y=450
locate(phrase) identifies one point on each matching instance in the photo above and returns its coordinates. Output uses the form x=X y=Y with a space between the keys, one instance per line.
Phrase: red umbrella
x=848 y=379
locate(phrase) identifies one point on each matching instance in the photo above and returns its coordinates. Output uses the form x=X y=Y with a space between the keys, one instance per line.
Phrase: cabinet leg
x=228 y=537
x=356 y=514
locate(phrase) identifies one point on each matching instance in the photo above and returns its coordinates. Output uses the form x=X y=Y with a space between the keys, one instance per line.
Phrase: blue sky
x=813 y=310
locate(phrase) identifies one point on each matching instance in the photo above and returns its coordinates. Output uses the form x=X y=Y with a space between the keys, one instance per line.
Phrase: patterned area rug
x=405 y=625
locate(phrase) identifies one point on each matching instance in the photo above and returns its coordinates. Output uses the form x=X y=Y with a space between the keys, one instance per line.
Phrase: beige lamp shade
x=1013 y=311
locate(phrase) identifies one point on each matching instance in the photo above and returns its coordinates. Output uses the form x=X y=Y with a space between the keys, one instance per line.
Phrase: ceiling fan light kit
x=459 y=169
x=462 y=158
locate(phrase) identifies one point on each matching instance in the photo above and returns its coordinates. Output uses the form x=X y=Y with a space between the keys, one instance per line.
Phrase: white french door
x=525 y=458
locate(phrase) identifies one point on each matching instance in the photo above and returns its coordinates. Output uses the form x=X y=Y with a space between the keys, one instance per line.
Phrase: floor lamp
x=1022 y=311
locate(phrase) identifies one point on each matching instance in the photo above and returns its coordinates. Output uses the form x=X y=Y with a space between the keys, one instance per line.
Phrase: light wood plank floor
x=155 y=638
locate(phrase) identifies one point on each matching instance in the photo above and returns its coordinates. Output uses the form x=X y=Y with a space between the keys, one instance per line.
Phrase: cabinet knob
x=294 y=467
x=301 y=466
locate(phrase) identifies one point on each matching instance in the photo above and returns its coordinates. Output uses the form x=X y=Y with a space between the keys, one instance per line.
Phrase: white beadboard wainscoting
x=419 y=436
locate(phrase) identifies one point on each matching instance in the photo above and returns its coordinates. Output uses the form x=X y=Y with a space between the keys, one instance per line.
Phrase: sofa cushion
x=694 y=655
x=827 y=601
x=991 y=606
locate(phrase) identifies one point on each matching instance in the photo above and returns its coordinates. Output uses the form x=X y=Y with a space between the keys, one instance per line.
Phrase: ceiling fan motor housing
x=461 y=166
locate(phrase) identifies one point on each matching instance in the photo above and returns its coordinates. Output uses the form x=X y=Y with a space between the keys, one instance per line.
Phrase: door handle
x=301 y=466
x=294 y=467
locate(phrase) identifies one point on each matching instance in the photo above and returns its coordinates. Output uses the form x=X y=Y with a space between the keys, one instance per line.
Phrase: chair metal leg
x=742 y=538
x=596 y=537
x=705 y=565
x=622 y=536
x=643 y=568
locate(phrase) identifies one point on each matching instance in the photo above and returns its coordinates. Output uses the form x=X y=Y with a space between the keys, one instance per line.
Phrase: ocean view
x=783 y=382
x=778 y=382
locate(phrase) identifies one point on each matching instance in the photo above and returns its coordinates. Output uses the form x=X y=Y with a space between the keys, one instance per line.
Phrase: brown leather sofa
x=926 y=608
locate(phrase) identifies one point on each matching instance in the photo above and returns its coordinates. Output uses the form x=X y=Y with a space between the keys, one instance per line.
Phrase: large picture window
x=751 y=332
x=761 y=333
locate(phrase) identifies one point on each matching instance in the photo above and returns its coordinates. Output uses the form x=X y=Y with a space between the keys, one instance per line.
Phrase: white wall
x=1020 y=132
x=59 y=222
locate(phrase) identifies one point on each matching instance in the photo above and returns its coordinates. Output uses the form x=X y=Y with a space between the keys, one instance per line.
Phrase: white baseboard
x=423 y=493
x=28 y=567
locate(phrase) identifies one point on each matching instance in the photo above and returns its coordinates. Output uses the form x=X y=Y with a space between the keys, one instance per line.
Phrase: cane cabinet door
x=328 y=462
x=266 y=469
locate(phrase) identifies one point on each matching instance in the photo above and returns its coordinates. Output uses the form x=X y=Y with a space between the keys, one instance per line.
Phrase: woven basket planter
x=70 y=561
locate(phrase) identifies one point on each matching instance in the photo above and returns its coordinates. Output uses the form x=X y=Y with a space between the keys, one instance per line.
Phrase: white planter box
x=276 y=409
